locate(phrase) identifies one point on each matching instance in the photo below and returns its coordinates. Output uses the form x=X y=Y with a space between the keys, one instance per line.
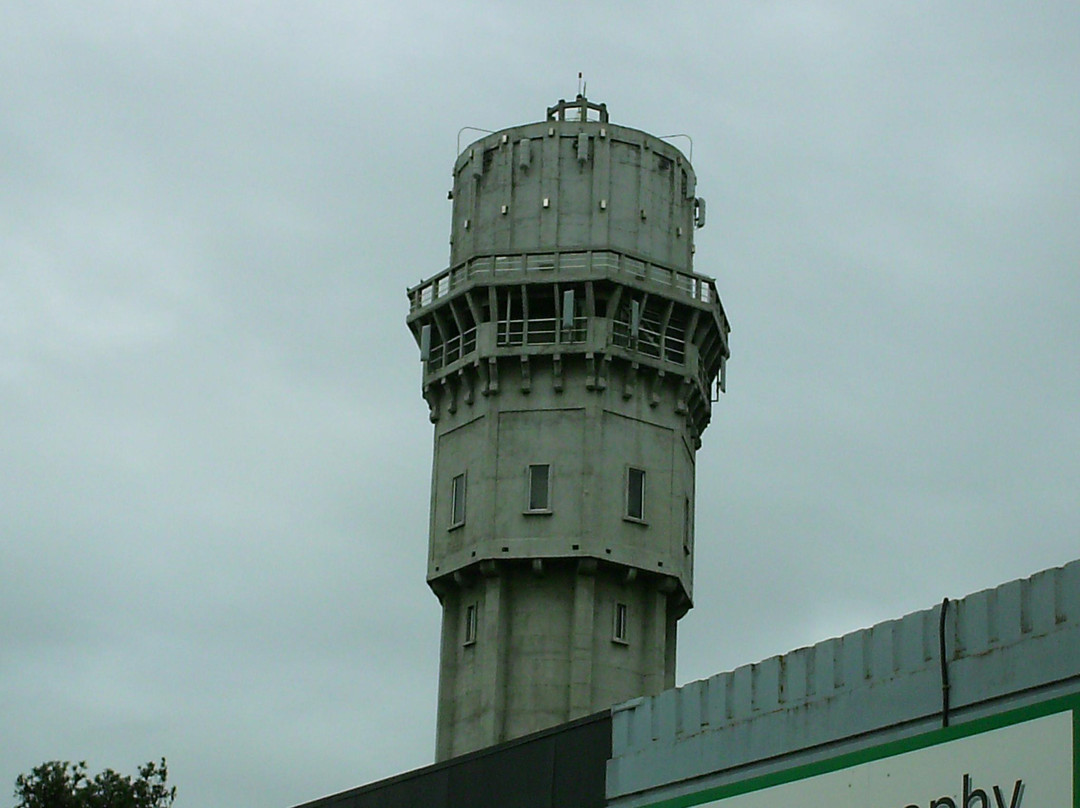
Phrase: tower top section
x=575 y=181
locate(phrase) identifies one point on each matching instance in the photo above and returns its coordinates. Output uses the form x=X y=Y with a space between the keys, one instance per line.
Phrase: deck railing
x=540 y=331
x=452 y=350
x=650 y=341
x=694 y=286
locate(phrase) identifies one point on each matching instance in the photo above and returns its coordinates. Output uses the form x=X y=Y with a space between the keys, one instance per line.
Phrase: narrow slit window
x=619 y=629
x=539 y=485
x=457 y=501
x=635 y=494
x=470 y=624
x=688 y=526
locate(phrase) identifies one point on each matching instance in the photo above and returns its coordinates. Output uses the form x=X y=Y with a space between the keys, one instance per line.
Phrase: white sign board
x=1026 y=763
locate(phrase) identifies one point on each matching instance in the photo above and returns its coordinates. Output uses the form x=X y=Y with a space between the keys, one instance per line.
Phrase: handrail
x=697 y=287
x=474 y=129
x=690 y=156
x=453 y=349
x=540 y=331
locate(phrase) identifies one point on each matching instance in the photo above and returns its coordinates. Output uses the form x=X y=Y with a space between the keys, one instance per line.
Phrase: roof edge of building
x=1017 y=640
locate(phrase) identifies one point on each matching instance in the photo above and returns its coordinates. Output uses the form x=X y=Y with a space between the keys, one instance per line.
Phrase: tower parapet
x=571 y=358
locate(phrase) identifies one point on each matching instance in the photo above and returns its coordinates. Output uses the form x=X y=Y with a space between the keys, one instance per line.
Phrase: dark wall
x=563 y=767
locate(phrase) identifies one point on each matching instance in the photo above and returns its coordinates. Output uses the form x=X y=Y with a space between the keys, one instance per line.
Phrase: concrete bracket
x=481 y=371
x=440 y=588
x=526 y=378
x=605 y=370
x=451 y=395
x=493 y=375
x=630 y=381
x=431 y=396
x=586 y=566
x=681 y=406
x=583 y=148
x=590 y=371
x=654 y=388
x=488 y=568
x=465 y=380
x=556 y=373
x=695 y=435
x=538 y=566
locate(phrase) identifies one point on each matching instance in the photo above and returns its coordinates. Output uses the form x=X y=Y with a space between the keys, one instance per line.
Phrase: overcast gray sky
x=214 y=456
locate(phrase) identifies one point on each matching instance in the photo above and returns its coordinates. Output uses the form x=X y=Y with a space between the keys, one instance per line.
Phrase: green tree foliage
x=59 y=784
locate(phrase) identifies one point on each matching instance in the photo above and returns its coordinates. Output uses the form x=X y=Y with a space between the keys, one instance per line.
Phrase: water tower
x=571 y=358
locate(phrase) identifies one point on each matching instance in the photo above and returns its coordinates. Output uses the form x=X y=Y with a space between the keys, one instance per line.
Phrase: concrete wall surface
x=1007 y=647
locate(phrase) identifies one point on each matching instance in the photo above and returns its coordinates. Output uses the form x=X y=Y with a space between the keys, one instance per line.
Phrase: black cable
x=944 y=665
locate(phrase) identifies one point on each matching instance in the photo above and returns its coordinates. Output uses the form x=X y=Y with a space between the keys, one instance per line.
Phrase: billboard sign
x=1021 y=759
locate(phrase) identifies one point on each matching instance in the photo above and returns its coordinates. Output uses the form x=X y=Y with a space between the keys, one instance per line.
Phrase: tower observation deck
x=571 y=359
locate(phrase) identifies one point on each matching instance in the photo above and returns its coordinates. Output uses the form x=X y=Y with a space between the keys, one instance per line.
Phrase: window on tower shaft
x=635 y=494
x=688 y=526
x=539 y=488
x=457 y=501
x=619 y=632
x=470 y=624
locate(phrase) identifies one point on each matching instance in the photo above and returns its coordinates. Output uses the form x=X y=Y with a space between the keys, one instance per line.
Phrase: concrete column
x=503 y=182
x=581 y=639
x=492 y=647
x=645 y=198
x=669 y=649
x=592 y=524
x=448 y=667
x=655 y=634
x=549 y=189
x=601 y=191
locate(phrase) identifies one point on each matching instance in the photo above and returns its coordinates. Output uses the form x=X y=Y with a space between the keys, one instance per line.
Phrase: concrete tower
x=570 y=361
